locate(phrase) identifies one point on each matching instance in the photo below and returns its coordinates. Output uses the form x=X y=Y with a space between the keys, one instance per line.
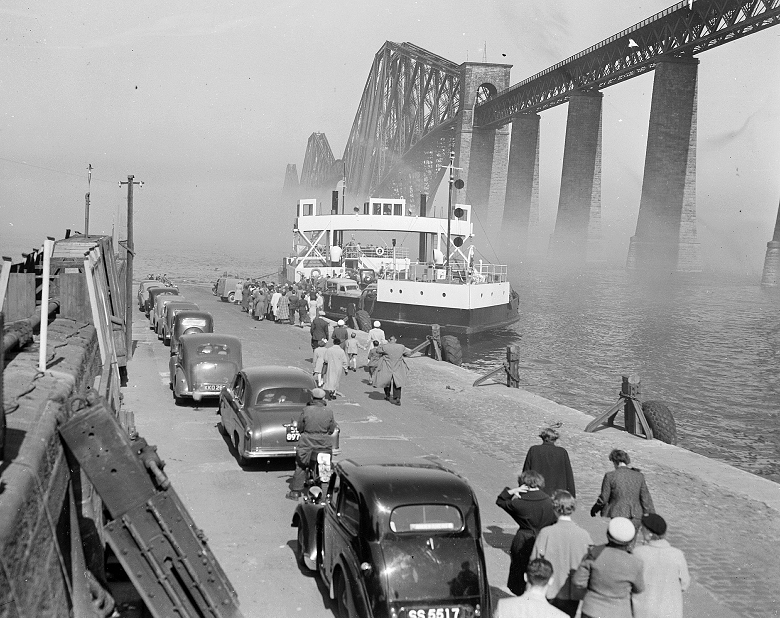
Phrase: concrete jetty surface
x=725 y=520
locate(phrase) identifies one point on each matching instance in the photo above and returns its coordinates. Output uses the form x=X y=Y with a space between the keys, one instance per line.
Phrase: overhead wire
x=50 y=169
x=485 y=233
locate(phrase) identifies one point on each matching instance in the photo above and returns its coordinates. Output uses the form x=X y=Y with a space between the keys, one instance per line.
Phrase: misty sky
x=207 y=102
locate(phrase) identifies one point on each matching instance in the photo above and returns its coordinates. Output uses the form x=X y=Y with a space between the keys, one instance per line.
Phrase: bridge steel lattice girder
x=420 y=168
x=409 y=94
x=680 y=30
x=320 y=169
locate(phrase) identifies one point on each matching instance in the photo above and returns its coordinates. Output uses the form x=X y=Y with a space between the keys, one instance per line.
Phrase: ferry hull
x=454 y=321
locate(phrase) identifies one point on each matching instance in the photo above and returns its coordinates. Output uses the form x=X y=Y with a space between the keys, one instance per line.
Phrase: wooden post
x=48 y=247
x=632 y=389
x=513 y=366
x=436 y=341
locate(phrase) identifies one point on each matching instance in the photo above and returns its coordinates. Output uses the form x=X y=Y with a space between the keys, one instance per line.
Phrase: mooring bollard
x=432 y=343
x=655 y=418
x=511 y=367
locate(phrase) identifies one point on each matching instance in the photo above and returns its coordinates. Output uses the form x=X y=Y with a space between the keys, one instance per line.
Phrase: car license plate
x=212 y=387
x=292 y=434
x=437 y=612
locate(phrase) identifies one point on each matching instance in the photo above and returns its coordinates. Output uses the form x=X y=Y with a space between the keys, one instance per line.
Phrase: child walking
x=373 y=361
x=352 y=351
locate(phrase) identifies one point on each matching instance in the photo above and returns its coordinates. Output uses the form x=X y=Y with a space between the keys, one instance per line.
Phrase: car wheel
x=231 y=297
x=344 y=606
x=299 y=550
x=237 y=443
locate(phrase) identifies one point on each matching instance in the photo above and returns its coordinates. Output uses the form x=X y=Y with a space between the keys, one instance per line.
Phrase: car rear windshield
x=214 y=349
x=193 y=322
x=275 y=396
x=426 y=518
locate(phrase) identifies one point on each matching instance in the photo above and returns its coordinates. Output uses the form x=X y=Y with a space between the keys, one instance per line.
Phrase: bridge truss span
x=683 y=30
x=410 y=94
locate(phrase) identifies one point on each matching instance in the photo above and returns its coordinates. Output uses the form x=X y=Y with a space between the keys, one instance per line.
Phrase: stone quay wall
x=49 y=515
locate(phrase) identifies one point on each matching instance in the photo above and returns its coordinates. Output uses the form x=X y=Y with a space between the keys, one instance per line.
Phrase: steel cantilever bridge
x=416 y=106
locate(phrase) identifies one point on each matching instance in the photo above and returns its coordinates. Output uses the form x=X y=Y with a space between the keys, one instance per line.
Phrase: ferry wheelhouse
x=374 y=267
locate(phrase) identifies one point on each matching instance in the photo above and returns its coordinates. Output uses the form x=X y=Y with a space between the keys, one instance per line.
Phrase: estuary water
x=708 y=346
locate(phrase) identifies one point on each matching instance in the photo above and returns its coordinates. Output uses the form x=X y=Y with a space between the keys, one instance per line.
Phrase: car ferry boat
x=376 y=277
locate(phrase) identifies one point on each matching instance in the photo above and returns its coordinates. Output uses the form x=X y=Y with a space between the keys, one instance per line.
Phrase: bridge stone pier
x=482 y=154
x=771 y=274
x=521 y=202
x=665 y=239
x=578 y=223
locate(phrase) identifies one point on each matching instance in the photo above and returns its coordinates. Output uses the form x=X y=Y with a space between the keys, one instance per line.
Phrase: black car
x=396 y=540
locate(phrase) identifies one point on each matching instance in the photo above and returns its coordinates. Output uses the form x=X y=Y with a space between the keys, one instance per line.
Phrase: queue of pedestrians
x=556 y=570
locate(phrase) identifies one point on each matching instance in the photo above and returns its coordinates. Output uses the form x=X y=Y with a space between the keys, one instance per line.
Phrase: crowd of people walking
x=335 y=348
x=284 y=304
x=556 y=569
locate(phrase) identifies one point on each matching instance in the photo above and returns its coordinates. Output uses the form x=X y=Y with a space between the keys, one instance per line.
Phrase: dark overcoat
x=532 y=511
x=552 y=462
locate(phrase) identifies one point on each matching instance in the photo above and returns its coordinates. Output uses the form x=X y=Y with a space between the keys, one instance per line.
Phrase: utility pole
x=129 y=267
x=86 y=199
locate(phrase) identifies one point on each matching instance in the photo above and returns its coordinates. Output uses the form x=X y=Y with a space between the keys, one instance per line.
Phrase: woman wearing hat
x=665 y=573
x=610 y=574
x=552 y=462
x=341 y=332
x=376 y=334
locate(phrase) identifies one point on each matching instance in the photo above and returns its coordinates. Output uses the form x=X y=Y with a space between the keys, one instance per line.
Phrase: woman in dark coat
x=532 y=509
x=552 y=462
x=624 y=492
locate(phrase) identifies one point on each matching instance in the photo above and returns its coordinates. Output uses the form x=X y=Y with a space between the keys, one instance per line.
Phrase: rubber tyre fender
x=363 y=320
x=661 y=421
x=451 y=351
x=380 y=251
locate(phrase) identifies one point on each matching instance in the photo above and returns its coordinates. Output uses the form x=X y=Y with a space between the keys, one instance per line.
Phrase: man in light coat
x=393 y=371
x=336 y=360
x=665 y=573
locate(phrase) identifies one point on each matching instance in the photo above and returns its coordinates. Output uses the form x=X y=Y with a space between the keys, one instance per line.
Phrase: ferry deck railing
x=459 y=272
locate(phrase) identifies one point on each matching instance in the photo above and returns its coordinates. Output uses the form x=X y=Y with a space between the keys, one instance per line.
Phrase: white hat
x=341 y=322
x=377 y=323
x=621 y=530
